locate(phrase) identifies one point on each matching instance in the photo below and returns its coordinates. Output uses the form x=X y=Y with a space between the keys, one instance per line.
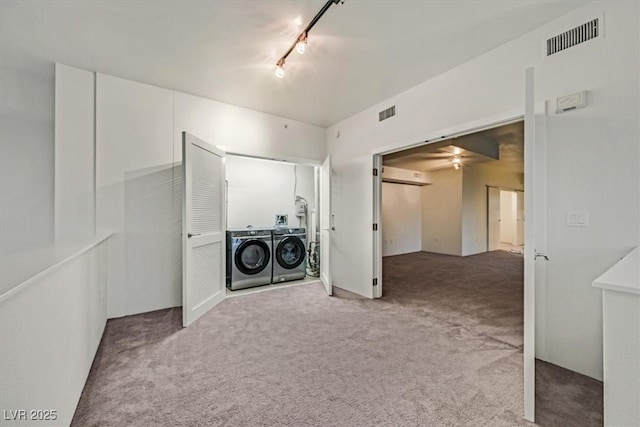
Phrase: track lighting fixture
x=300 y=44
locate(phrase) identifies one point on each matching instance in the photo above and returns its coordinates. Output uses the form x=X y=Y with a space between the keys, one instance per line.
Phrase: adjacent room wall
x=401 y=218
x=476 y=178
x=490 y=88
x=258 y=189
x=454 y=215
x=442 y=213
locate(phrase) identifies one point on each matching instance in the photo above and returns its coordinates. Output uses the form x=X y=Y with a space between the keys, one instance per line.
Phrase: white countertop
x=624 y=276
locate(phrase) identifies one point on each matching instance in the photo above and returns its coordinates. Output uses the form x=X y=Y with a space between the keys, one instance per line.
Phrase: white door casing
x=519 y=234
x=377 y=219
x=535 y=237
x=203 y=228
x=493 y=218
x=326 y=225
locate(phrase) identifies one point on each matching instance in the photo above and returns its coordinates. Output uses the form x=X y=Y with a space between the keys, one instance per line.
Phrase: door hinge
x=375 y=227
x=375 y=282
x=375 y=171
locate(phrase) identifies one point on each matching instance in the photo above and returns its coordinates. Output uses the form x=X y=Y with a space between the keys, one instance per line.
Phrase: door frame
x=494 y=122
x=513 y=190
x=300 y=161
x=529 y=286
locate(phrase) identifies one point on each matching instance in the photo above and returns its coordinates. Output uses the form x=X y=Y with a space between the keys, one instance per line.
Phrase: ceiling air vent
x=389 y=112
x=575 y=36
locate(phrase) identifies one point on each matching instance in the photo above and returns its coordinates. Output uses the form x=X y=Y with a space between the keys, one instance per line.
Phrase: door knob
x=189 y=235
x=538 y=254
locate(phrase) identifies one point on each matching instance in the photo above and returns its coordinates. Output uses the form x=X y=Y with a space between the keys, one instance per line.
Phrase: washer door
x=252 y=256
x=290 y=252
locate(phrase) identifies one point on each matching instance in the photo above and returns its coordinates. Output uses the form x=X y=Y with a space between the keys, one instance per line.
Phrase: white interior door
x=493 y=219
x=326 y=225
x=203 y=228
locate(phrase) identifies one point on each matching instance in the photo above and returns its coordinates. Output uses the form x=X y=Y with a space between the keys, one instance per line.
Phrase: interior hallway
x=438 y=349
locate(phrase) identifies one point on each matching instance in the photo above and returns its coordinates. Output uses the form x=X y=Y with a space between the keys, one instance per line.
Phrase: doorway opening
x=435 y=196
x=505 y=219
x=433 y=247
x=451 y=229
x=272 y=224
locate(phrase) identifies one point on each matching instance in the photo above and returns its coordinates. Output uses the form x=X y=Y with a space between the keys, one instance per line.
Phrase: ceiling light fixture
x=301 y=41
x=457 y=162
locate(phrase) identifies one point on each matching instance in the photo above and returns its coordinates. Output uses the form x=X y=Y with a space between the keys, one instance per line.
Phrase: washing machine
x=249 y=258
x=289 y=251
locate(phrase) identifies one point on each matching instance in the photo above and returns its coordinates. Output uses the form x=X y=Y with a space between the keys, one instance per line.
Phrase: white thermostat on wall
x=571 y=102
x=578 y=219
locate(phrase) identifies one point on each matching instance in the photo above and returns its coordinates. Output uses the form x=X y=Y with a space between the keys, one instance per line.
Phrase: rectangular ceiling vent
x=389 y=112
x=573 y=37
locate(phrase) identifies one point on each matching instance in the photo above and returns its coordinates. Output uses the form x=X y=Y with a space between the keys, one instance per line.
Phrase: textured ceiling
x=430 y=157
x=360 y=53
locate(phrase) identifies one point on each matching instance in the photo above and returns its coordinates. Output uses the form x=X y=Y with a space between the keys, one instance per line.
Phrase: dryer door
x=252 y=256
x=290 y=252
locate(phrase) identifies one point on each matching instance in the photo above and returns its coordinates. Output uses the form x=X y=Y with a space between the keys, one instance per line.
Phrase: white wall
x=50 y=333
x=476 y=177
x=26 y=148
x=401 y=218
x=139 y=177
x=442 y=213
x=74 y=153
x=603 y=137
x=258 y=189
x=134 y=194
x=489 y=88
x=244 y=131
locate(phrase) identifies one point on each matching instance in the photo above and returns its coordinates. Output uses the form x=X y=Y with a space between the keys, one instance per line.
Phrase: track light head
x=301 y=44
x=280 y=68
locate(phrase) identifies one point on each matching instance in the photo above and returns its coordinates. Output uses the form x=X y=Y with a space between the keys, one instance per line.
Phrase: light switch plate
x=578 y=219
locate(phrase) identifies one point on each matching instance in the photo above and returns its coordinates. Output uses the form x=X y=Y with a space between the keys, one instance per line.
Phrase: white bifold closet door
x=203 y=228
x=325 y=225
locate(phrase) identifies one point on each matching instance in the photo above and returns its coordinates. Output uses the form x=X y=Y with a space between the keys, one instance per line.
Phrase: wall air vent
x=573 y=37
x=389 y=112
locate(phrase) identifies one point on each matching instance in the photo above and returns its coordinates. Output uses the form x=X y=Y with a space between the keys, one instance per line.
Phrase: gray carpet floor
x=439 y=349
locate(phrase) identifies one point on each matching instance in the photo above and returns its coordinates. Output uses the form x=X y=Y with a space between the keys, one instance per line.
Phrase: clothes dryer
x=290 y=250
